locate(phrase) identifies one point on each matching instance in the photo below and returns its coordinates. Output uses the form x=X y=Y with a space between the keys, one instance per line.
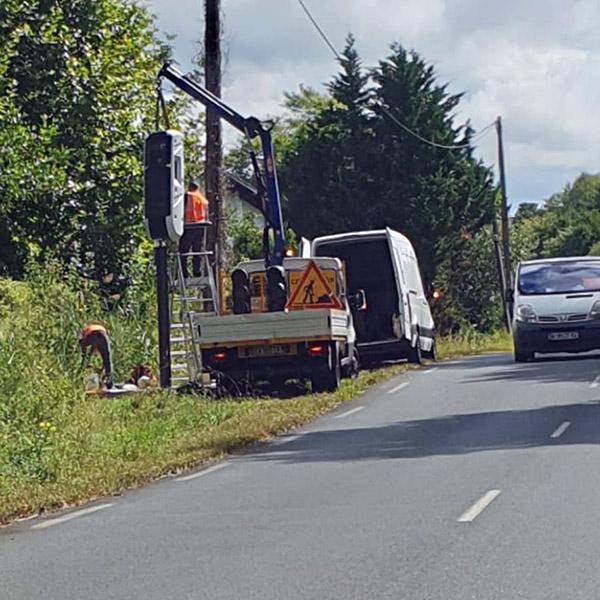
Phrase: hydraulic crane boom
x=251 y=127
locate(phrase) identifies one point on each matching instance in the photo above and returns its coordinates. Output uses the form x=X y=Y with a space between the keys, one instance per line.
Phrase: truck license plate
x=266 y=351
x=558 y=336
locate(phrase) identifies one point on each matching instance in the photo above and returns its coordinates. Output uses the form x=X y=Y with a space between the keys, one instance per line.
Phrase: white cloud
x=533 y=62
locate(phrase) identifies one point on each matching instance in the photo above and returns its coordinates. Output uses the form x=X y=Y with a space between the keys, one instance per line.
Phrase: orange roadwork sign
x=312 y=290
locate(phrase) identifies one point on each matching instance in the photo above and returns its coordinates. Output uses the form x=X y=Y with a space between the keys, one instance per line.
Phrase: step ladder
x=190 y=296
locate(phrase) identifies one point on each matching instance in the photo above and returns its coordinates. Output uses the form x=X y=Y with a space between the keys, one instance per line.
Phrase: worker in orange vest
x=94 y=340
x=196 y=213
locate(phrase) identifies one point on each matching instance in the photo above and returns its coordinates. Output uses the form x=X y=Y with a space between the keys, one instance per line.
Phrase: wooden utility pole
x=214 y=143
x=504 y=218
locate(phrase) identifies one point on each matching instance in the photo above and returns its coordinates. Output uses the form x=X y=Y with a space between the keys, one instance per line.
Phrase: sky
x=536 y=63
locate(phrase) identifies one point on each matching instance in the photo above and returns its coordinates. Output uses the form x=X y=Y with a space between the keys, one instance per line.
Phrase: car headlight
x=525 y=313
x=595 y=310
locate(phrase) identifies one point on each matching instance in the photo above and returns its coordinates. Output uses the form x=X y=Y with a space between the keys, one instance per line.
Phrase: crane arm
x=251 y=127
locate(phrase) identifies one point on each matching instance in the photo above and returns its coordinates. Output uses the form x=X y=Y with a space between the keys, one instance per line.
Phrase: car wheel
x=523 y=357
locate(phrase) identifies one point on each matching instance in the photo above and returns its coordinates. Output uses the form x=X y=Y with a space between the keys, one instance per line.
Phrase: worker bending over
x=196 y=214
x=94 y=340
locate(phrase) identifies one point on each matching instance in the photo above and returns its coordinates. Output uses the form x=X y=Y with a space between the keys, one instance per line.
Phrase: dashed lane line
x=285 y=440
x=560 y=429
x=204 y=472
x=352 y=411
x=474 y=511
x=399 y=387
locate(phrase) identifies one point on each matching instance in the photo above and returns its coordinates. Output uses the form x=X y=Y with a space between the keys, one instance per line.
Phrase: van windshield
x=559 y=278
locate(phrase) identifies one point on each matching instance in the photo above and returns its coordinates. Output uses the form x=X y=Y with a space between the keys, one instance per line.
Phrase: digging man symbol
x=309 y=294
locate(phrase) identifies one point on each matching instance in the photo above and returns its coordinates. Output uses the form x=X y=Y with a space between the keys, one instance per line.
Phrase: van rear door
x=421 y=312
x=401 y=285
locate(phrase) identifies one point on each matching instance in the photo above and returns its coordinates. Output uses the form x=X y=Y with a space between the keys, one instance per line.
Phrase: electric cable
x=479 y=135
x=406 y=128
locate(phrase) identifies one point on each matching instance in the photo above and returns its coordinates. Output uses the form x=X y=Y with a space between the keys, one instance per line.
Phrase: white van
x=556 y=306
x=392 y=318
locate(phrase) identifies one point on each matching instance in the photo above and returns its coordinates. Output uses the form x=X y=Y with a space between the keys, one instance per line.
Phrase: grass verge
x=59 y=447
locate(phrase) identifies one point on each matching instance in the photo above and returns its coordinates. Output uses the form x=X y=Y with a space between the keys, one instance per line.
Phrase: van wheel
x=431 y=354
x=353 y=368
x=414 y=354
x=329 y=379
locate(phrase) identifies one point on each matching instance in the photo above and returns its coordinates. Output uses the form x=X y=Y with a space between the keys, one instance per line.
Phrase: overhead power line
x=474 y=139
x=383 y=109
x=318 y=28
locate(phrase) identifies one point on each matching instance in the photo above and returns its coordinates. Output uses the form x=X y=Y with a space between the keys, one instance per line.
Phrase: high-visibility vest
x=92 y=328
x=196 y=208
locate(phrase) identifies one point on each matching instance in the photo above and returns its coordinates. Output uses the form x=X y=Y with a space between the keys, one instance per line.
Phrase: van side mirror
x=510 y=296
x=358 y=300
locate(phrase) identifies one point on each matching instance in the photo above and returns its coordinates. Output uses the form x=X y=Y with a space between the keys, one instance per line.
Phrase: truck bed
x=273 y=327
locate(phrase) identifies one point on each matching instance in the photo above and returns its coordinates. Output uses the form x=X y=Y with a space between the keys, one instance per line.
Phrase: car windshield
x=559 y=277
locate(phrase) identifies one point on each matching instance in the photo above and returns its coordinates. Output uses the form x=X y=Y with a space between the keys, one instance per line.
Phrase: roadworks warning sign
x=312 y=289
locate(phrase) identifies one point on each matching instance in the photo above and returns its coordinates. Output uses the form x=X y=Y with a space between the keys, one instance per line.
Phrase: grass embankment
x=59 y=447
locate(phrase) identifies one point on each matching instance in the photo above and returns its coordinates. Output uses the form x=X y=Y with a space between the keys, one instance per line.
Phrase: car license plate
x=559 y=336
x=266 y=351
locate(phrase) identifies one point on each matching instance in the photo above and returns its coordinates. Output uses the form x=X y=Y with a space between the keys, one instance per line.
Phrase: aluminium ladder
x=190 y=296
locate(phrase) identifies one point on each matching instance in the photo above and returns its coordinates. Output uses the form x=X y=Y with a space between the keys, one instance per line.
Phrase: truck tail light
x=317 y=350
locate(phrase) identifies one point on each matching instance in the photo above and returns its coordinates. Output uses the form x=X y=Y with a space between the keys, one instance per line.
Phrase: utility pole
x=214 y=143
x=504 y=220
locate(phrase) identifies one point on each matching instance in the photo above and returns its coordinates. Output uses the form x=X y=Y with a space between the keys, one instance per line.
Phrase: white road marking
x=427 y=371
x=202 y=473
x=560 y=429
x=472 y=513
x=349 y=412
x=595 y=383
x=399 y=387
x=285 y=440
x=70 y=516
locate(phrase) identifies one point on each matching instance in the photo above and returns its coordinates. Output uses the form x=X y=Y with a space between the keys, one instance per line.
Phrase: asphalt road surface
x=477 y=479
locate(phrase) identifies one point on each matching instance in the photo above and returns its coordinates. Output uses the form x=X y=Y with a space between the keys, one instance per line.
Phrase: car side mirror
x=358 y=300
x=510 y=296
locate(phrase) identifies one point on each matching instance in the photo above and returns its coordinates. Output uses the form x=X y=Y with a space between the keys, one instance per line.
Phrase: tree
x=350 y=165
x=567 y=224
x=325 y=170
x=81 y=78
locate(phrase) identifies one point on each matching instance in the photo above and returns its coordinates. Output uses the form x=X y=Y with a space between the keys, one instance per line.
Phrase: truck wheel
x=414 y=354
x=329 y=379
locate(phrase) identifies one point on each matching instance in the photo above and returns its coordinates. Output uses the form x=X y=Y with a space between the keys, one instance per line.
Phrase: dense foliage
x=566 y=224
x=76 y=82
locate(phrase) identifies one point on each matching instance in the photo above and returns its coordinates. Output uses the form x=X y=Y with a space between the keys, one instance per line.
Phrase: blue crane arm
x=252 y=128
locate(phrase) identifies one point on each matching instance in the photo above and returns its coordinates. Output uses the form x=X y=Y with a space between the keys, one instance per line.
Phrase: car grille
x=547 y=319
x=574 y=318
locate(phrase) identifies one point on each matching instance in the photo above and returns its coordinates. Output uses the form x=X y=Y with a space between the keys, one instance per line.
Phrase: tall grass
x=473 y=342
x=58 y=445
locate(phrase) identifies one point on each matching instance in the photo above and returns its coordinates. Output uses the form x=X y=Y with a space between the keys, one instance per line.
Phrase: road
x=477 y=479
